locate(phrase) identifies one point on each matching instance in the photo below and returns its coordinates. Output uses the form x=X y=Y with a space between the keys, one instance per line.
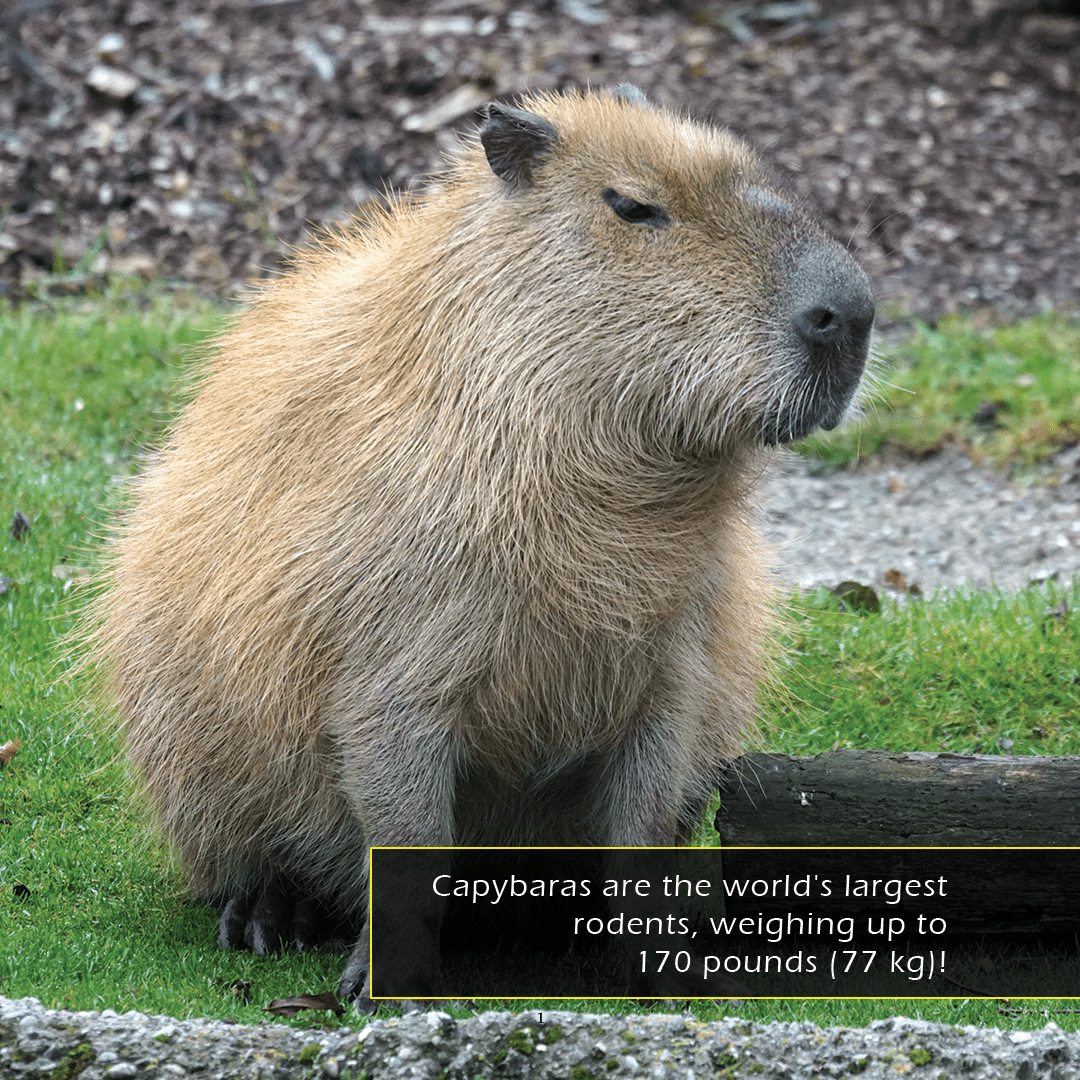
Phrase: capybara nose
x=831 y=312
x=833 y=308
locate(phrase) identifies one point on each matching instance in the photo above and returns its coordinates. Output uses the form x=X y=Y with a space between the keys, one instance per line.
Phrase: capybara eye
x=637 y=213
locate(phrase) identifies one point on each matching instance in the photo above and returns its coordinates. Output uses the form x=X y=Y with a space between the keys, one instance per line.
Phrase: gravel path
x=943 y=521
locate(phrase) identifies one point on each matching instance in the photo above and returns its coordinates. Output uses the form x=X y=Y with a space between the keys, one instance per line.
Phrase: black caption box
x=784 y=922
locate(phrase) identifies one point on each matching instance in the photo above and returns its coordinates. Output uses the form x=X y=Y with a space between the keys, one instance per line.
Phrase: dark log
x=877 y=799
x=874 y=798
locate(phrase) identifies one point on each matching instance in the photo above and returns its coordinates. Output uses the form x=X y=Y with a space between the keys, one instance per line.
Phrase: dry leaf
x=288 y=1007
x=20 y=525
x=857 y=597
x=894 y=579
x=9 y=750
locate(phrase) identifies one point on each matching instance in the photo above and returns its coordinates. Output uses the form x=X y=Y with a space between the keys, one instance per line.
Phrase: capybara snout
x=829 y=309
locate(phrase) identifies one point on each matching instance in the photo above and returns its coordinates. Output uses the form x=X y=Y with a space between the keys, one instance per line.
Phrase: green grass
x=95 y=914
x=968 y=672
x=1009 y=393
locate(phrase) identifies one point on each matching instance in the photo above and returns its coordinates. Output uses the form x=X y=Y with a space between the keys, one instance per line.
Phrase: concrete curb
x=35 y=1041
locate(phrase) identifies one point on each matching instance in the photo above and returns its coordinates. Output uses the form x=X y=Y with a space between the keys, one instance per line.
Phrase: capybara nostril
x=819 y=325
x=829 y=306
x=843 y=322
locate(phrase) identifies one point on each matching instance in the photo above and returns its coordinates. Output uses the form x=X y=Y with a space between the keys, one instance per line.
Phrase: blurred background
x=940 y=139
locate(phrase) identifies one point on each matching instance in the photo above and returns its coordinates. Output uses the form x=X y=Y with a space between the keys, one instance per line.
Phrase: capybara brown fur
x=455 y=543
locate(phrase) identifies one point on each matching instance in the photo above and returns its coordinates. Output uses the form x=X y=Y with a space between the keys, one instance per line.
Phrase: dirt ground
x=939 y=138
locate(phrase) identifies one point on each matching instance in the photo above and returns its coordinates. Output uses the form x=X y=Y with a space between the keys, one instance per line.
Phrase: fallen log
x=931 y=810
x=875 y=798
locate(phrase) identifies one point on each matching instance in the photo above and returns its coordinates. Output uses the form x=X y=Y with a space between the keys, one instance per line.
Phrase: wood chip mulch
x=203 y=139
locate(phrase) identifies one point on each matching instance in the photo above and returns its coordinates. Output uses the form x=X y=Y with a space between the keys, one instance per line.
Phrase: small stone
x=111 y=82
x=122 y=1070
x=110 y=46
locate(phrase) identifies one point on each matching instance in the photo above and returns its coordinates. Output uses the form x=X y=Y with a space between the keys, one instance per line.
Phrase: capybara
x=455 y=543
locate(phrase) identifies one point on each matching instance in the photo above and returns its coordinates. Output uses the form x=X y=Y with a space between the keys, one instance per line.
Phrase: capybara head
x=715 y=311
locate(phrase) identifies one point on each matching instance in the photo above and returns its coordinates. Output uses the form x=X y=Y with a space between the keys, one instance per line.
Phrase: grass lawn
x=95 y=914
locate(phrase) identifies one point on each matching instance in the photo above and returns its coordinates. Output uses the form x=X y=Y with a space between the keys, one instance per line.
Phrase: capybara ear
x=515 y=142
x=629 y=93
